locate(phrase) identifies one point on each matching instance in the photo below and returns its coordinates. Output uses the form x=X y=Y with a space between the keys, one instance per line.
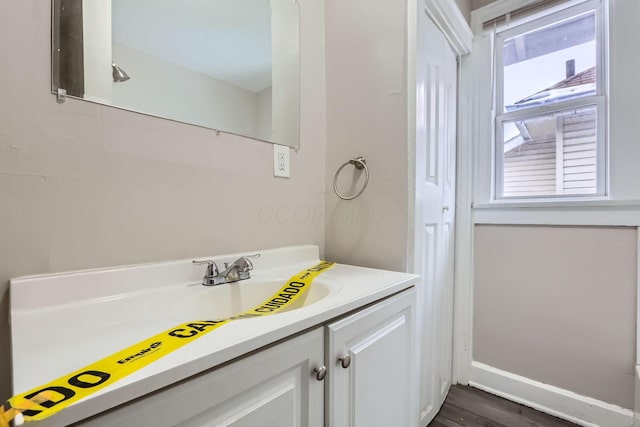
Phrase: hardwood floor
x=469 y=407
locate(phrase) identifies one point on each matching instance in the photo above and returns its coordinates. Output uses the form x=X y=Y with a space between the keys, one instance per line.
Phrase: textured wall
x=558 y=305
x=83 y=185
x=367 y=115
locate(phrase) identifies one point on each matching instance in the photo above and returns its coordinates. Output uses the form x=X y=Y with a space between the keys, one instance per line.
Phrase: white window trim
x=599 y=100
x=502 y=7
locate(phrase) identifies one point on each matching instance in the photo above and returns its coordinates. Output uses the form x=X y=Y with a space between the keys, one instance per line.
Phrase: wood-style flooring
x=469 y=407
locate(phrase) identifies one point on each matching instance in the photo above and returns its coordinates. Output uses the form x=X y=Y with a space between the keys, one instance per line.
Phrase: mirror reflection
x=229 y=65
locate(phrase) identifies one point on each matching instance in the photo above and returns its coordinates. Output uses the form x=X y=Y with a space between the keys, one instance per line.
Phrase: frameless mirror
x=228 y=65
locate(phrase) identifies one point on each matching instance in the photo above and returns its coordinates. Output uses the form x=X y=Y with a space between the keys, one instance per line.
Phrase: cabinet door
x=275 y=387
x=377 y=388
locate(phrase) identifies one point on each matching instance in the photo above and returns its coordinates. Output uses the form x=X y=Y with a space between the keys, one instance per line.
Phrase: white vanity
x=346 y=357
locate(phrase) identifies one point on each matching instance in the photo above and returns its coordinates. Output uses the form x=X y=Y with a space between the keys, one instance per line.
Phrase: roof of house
x=578 y=85
x=581 y=84
x=585 y=77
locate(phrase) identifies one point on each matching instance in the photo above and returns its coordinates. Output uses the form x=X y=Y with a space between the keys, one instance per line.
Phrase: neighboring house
x=554 y=154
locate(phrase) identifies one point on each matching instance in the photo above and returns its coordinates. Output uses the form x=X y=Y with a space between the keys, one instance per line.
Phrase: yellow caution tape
x=46 y=400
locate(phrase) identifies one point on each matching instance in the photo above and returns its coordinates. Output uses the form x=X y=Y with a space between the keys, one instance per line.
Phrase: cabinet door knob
x=320 y=372
x=345 y=361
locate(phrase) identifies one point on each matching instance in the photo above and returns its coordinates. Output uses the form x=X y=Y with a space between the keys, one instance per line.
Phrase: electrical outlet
x=281 y=161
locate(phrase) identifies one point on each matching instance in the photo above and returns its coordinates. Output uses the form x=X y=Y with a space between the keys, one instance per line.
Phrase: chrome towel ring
x=359 y=163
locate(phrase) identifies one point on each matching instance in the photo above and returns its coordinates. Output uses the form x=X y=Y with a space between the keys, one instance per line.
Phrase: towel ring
x=359 y=163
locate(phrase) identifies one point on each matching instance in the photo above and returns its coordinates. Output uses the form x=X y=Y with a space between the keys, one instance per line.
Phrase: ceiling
x=476 y=4
x=229 y=40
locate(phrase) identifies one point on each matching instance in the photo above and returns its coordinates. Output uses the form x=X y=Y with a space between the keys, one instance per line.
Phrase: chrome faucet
x=237 y=270
x=211 y=275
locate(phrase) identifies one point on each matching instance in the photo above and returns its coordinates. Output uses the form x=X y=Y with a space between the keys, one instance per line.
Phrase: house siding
x=534 y=169
x=530 y=170
x=579 y=154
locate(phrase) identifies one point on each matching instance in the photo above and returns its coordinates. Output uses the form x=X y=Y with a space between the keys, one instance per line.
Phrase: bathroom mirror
x=228 y=65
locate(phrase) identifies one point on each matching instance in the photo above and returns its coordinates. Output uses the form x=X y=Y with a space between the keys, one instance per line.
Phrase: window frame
x=599 y=100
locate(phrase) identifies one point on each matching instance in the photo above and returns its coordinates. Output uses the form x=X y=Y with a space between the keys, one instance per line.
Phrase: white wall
x=367 y=115
x=368 y=93
x=165 y=89
x=558 y=305
x=624 y=92
x=84 y=185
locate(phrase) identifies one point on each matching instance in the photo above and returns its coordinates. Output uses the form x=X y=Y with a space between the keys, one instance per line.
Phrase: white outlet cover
x=281 y=161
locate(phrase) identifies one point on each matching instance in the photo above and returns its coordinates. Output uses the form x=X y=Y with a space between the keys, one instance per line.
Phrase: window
x=550 y=106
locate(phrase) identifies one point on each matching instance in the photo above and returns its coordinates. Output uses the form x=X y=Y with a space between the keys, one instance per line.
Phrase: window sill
x=617 y=213
x=595 y=202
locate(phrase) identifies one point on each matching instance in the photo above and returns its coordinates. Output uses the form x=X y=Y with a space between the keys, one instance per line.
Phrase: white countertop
x=62 y=322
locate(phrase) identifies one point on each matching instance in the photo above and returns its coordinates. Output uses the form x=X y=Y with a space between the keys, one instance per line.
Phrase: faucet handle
x=212 y=267
x=243 y=263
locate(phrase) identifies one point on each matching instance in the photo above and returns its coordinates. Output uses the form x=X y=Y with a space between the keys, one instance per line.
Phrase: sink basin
x=198 y=302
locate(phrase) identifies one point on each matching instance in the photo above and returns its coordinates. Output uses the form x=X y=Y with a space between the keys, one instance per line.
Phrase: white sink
x=66 y=321
x=198 y=302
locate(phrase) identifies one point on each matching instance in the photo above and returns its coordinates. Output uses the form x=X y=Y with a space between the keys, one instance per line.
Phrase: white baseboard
x=552 y=400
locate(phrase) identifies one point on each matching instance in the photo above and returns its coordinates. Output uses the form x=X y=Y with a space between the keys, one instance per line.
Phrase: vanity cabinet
x=275 y=387
x=258 y=372
x=370 y=357
x=353 y=372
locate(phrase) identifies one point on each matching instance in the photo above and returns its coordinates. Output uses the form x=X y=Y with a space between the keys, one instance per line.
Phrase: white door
x=369 y=356
x=275 y=387
x=436 y=75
